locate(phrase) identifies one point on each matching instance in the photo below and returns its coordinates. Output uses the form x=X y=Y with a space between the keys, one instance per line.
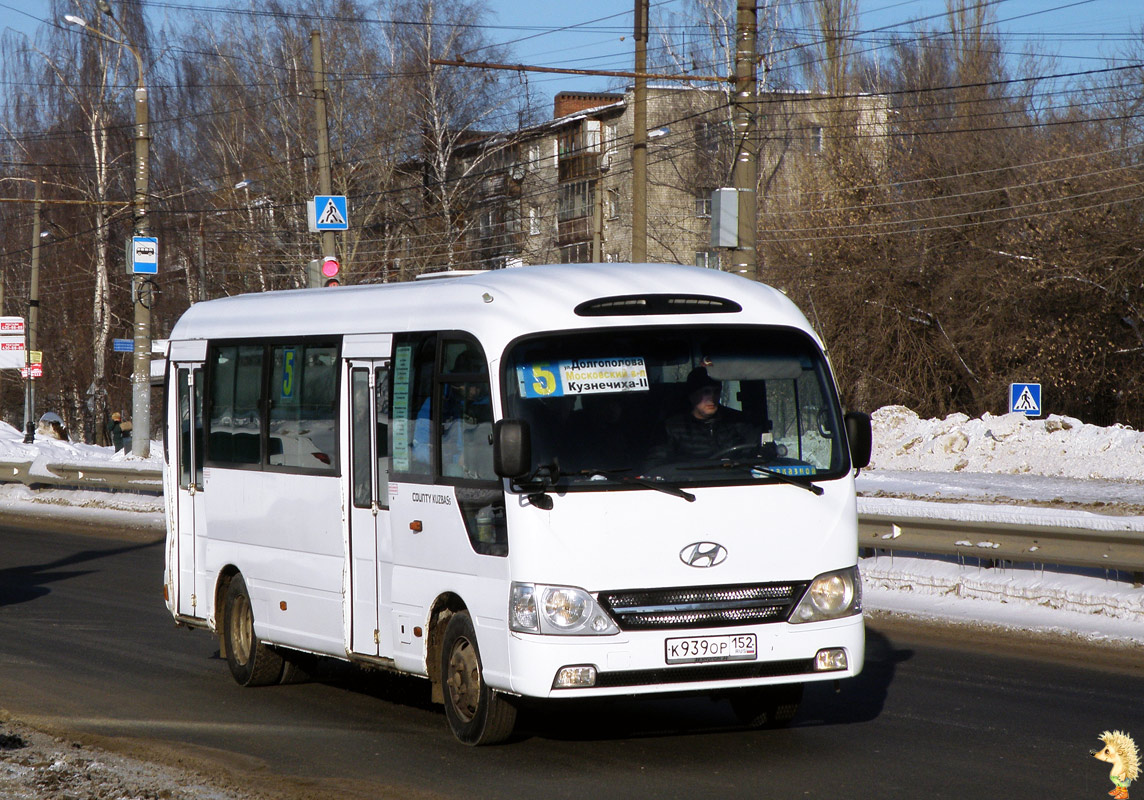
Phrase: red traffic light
x=323 y=272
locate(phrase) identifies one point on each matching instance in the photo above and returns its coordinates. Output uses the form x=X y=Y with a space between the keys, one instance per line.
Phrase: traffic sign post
x=1025 y=398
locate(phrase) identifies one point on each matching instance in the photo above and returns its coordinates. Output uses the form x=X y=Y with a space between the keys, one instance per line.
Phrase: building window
x=613 y=203
x=591 y=135
x=566 y=142
x=703 y=204
x=533 y=221
x=709 y=136
x=574 y=200
x=487 y=223
x=609 y=136
x=814 y=139
x=579 y=253
x=708 y=259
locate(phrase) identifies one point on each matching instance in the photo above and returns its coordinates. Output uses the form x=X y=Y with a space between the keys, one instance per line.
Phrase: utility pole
x=30 y=338
x=744 y=258
x=141 y=297
x=639 y=138
x=141 y=362
x=325 y=179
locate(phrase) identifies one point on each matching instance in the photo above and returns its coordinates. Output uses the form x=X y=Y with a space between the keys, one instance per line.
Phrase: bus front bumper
x=650 y=662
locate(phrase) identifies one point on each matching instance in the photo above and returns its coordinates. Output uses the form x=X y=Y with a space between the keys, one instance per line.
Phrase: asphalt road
x=87 y=647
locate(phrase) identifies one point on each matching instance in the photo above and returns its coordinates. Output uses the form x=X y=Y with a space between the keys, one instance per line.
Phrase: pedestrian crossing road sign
x=329 y=213
x=1025 y=398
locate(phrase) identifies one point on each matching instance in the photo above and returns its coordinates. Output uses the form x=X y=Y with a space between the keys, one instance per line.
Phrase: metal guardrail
x=1009 y=541
x=115 y=477
x=1067 y=545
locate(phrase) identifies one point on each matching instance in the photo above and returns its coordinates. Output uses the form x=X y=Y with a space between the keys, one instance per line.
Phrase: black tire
x=477 y=715
x=767 y=706
x=251 y=662
x=296 y=668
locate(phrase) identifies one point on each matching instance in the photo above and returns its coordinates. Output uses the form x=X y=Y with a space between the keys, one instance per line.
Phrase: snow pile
x=89 y=509
x=48 y=450
x=1024 y=597
x=1055 y=446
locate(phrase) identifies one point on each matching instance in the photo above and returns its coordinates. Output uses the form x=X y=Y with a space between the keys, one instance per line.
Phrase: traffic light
x=323 y=272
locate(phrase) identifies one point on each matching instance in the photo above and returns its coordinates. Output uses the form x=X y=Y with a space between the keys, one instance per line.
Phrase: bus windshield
x=695 y=405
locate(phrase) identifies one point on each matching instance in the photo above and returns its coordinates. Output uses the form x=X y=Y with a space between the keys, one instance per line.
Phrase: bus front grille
x=701 y=607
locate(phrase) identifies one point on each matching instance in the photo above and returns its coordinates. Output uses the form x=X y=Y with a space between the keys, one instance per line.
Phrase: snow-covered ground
x=1055 y=470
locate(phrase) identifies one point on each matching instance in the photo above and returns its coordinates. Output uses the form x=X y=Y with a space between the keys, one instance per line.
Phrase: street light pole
x=141 y=362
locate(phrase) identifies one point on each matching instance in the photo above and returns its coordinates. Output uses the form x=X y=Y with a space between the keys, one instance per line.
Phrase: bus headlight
x=830 y=596
x=561 y=610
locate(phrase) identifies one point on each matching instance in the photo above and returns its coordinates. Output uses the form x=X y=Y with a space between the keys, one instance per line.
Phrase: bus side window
x=381 y=375
x=412 y=415
x=359 y=432
x=235 y=421
x=364 y=492
x=466 y=414
x=302 y=424
x=187 y=404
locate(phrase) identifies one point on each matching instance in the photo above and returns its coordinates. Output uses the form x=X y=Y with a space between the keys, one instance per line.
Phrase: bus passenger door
x=371 y=550
x=189 y=457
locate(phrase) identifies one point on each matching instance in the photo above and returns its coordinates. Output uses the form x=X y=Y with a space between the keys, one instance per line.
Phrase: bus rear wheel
x=477 y=715
x=251 y=662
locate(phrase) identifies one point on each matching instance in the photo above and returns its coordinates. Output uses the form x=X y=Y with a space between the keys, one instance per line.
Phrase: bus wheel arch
x=252 y=662
x=222 y=583
x=444 y=607
x=476 y=713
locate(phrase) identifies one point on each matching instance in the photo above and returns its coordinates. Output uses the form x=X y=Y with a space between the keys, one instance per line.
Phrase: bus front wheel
x=251 y=662
x=477 y=715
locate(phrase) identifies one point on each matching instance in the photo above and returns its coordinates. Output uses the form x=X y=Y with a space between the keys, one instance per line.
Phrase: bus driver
x=708 y=428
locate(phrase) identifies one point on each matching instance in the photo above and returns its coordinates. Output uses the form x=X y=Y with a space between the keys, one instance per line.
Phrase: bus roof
x=497 y=305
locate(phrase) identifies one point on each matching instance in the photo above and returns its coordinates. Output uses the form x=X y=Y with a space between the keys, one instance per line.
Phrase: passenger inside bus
x=467 y=420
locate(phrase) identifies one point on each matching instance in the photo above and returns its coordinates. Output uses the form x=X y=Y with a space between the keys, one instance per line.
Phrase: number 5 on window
x=543 y=380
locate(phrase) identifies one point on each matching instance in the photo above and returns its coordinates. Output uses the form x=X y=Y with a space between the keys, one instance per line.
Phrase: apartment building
x=562 y=191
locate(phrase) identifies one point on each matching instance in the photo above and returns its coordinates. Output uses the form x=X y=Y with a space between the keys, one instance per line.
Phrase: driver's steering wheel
x=768 y=451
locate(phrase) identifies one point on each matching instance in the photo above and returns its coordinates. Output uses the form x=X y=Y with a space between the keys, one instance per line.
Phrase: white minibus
x=545 y=482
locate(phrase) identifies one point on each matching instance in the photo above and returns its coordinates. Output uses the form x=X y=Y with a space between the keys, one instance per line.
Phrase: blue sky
x=595 y=34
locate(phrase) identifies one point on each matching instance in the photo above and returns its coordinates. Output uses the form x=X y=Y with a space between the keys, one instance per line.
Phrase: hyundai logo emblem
x=703 y=554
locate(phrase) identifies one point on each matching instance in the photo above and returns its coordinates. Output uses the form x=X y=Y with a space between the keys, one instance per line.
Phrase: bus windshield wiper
x=756 y=469
x=659 y=486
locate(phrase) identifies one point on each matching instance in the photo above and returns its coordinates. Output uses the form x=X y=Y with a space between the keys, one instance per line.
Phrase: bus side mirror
x=860 y=436
x=512 y=448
